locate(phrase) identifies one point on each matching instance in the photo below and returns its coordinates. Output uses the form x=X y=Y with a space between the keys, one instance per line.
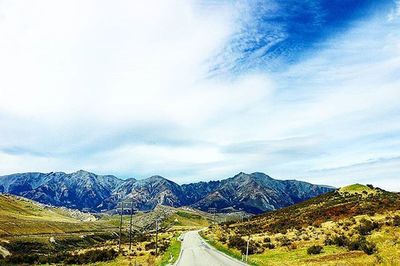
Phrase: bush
x=396 y=220
x=314 y=250
x=285 y=241
x=364 y=245
x=340 y=241
x=267 y=240
x=354 y=245
x=367 y=226
x=61 y=258
x=151 y=245
x=237 y=242
x=368 y=247
x=269 y=245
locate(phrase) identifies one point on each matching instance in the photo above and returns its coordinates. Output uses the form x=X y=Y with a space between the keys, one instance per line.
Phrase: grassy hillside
x=355 y=225
x=34 y=233
x=19 y=216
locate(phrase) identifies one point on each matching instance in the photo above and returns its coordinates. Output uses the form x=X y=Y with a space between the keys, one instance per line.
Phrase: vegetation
x=356 y=225
x=172 y=253
x=314 y=249
x=49 y=235
x=91 y=256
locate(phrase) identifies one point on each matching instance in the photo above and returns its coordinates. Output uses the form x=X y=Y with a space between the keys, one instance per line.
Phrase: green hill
x=357 y=188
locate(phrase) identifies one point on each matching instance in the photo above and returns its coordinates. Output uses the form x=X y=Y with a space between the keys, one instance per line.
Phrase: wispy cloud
x=126 y=89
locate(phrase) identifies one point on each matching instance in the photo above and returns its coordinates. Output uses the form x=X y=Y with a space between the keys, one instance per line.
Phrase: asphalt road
x=196 y=252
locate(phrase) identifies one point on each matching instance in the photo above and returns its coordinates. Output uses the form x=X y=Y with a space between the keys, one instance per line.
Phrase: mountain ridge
x=83 y=190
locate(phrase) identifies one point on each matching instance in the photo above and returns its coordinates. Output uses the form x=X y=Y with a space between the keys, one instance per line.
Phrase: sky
x=202 y=89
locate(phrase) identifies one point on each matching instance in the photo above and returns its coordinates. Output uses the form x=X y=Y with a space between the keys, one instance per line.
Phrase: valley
x=353 y=225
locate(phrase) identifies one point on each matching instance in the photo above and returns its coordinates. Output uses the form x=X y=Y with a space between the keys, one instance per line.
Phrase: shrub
x=61 y=258
x=364 y=245
x=396 y=220
x=269 y=246
x=367 y=226
x=151 y=245
x=237 y=242
x=285 y=241
x=354 y=245
x=340 y=241
x=368 y=247
x=314 y=250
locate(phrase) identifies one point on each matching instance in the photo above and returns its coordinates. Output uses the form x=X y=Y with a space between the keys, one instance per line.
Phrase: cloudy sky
x=202 y=89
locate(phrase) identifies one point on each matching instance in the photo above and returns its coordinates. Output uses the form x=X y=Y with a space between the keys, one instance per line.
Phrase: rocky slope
x=254 y=193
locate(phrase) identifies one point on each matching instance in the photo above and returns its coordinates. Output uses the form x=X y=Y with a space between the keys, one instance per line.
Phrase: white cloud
x=122 y=88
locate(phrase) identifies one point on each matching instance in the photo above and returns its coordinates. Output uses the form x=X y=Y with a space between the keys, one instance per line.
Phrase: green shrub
x=396 y=220
x=340 y=241
x=61 y=258
x=369 y=248
x=285 y=241
x=151 y=245
x=314 y=250
x=237 y=242
x=364 y=245
x=367 y=226
x=269 y=245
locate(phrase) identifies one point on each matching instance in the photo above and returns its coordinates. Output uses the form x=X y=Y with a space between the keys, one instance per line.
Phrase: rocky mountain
x=80 y=190
x=253 y=193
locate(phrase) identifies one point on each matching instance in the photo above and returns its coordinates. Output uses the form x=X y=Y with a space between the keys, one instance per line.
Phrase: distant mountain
x=80 y=190
x=253 y=193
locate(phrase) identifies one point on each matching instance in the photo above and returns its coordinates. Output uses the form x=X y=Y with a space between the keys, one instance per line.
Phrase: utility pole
x=120 y=226
x=156 y=236
x=213 y=211
x=130 y=228
x=247 y=248
x=158 y=220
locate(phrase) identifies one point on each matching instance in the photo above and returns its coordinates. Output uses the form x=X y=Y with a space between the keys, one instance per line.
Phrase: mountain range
x=254 y=193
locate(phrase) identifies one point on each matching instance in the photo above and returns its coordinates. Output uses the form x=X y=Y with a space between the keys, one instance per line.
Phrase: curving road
x=196 y=252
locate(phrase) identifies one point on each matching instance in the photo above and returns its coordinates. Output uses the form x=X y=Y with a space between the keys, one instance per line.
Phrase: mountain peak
x=82 y=172
x=261 y=175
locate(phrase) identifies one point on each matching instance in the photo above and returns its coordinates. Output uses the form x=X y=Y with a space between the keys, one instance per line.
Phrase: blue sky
x=200 y=90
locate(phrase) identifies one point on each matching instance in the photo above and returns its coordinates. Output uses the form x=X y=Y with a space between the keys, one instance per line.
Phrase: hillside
x=354 y=225
x=22 y=216
x=34 y=233
x=332 y=206
x=254 y=193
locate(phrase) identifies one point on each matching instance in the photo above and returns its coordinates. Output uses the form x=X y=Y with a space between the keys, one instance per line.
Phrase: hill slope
x=332 y=206
x=22 y=216
x=354 y=225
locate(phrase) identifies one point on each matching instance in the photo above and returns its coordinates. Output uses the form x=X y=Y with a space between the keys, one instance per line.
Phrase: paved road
x=195 y=252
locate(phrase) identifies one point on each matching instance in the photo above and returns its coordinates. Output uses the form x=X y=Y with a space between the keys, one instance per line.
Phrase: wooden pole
x=130 y=228
x=120 y=226
x=247 y=248
x=156 y=236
